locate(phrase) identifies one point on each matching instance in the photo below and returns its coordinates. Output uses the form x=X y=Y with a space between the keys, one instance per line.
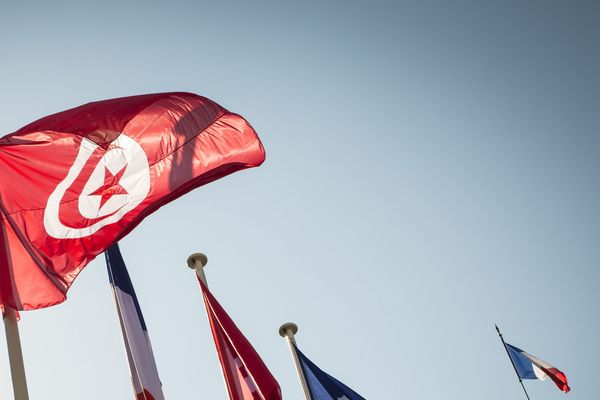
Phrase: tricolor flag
x=75 y=182
x=531 y=367
x=246 y=375
x=321 y=385
x=144 y=374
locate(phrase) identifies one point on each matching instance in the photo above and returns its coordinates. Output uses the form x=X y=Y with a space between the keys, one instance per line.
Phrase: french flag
x=144 y=374
x=531 y=367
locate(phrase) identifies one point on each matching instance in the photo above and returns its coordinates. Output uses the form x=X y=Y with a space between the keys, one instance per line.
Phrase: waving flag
x=530 y=367
x=246 y=375
x=73 y=183
x=321 y=385
x=144 y=373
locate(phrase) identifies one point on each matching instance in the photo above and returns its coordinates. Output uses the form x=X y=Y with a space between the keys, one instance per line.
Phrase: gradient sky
x=432 y=169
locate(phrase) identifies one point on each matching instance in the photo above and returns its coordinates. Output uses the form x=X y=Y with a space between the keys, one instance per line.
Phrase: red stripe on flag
x=144 y=396
x=558 y=377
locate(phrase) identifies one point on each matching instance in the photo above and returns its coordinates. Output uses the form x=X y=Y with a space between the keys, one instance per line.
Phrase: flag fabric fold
x=75 y=182
x=144 y=373
x=531 y=367
x=321 y=385
x=246 y=375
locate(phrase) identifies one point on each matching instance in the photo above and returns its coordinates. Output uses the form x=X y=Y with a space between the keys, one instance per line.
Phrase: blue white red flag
x=323 y=386
x=144 y=374
x=531 y=367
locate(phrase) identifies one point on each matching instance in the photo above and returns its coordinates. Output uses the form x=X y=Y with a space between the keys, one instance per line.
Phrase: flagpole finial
x=197 y=260
x=287 y=331
x=287 y=327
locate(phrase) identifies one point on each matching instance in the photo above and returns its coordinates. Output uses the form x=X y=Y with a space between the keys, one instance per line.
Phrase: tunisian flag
x=246 y=375
x=73 y=183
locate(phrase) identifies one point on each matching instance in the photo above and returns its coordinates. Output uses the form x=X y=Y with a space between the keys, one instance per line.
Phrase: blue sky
x=432 y=169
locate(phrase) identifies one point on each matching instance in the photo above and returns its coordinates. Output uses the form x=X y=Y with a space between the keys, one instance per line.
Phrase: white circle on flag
x=126 y=161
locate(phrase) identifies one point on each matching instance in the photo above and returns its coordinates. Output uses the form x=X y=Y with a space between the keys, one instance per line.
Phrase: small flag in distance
x=531 y=367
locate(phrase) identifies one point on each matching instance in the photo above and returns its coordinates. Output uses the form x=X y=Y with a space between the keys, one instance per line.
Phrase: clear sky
x=432 y=169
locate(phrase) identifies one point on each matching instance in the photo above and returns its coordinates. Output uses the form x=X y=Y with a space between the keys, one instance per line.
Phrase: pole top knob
x=283 y=330
x=197 y=260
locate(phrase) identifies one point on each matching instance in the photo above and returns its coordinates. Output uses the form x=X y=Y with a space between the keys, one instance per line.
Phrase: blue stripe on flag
x=119 y=277
x=522 y=364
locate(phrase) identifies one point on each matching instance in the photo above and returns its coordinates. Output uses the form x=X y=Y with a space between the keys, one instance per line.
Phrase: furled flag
x=246 y=375
x=321 y=385
x=144 y=373
x=530 y=367
x=73 y=183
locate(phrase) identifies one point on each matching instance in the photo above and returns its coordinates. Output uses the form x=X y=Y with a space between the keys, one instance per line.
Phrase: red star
x=111 y=186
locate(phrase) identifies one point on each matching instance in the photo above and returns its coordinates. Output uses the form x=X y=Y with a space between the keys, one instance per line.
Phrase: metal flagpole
x=512 y=362
x=288 y=330
x=197 y=262
x=15 y=355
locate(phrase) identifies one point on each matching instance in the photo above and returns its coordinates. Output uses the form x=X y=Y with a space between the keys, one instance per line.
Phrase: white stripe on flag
x=144 y=371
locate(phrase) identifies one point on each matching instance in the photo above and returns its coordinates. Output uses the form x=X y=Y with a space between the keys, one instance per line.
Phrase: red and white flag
x=73 y=183
x=246 y=375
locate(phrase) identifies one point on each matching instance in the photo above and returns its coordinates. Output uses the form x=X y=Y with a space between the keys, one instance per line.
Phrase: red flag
x=73 y=183
x=246 y=375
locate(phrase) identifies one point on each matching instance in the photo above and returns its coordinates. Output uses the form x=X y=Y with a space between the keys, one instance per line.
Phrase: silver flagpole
x=15 y=354
x=288 y=330
x=197 y=262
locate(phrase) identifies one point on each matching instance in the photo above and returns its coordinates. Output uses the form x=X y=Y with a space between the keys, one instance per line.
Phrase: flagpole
x=15 y=354
x=512 y=362
x=288 y=330
x=197 y=262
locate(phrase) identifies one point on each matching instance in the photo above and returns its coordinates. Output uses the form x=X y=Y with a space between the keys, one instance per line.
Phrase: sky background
x=432 y=169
